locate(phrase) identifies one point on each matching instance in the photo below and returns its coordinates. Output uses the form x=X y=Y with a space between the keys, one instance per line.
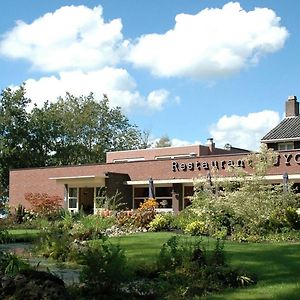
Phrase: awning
x=84 y=181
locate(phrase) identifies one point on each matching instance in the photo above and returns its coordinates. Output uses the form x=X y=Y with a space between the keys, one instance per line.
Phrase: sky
x=189 y=70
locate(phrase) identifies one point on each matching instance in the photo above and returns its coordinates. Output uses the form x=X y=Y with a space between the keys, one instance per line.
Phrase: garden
x=238 y=239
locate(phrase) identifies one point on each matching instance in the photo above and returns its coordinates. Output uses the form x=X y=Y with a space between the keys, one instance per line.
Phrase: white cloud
x=214 y=42
x=244 y=131
x=178 y=142
x=157 y=99
x=71 y=38
x=119 y=86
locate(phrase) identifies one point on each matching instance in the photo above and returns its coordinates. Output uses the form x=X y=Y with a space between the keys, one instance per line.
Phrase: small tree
x=44 y=204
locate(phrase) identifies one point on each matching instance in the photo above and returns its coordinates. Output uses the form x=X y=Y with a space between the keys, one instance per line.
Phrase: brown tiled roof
x=288 y=128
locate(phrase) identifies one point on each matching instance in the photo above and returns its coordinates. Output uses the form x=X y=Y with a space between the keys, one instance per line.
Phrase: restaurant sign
x=286 y=158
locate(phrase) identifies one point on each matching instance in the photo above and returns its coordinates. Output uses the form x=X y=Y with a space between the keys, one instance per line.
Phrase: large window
x=163 y=196
x=73 y=198
x=140 y=194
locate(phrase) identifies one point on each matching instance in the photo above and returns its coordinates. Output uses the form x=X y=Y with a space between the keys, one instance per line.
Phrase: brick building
x=173 y=170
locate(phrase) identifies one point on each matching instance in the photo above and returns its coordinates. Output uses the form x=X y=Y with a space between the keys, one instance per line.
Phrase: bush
x=104 y=268
x=4 y=236
x=139 y=218
x=159 y=223
x=11 y=264
x=43 y=204
x=187 y=270
x=292 y=217
x=196 y=228
x=55 y=242
x=247 y=207
x=183 y=218
x=91 y=227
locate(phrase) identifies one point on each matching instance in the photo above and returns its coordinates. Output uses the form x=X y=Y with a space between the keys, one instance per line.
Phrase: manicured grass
x=23 y=235
x=277 y=266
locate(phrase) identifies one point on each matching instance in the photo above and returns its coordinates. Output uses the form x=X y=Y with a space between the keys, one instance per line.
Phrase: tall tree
x=70 y=131
x=14 y=134
x=89 y=128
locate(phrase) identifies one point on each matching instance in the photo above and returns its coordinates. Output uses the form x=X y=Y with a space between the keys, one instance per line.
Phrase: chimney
x=291 y=107
x=211 y=145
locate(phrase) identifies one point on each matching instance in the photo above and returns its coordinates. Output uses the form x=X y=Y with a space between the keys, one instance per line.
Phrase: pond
x=67 y=274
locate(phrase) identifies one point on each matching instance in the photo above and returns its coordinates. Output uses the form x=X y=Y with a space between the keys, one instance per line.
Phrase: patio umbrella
x=151 y=189
x=285 y=177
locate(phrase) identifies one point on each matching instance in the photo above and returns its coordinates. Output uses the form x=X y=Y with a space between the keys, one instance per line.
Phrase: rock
x=31 y=285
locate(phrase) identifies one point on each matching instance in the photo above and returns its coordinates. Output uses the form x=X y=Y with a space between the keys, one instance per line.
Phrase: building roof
x=287 y=129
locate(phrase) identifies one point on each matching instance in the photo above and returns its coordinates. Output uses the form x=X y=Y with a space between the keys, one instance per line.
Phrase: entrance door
x=86 y=200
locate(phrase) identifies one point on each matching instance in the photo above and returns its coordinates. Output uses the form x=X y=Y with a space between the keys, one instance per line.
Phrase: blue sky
x=187 y=69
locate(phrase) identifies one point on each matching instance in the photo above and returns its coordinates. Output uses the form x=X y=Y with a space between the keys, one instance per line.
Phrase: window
x=163 y=196
x=286 y=146
x=140 y=194
x=73 y=197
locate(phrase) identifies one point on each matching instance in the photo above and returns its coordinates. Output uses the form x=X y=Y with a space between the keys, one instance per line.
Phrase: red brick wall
x=37 y=180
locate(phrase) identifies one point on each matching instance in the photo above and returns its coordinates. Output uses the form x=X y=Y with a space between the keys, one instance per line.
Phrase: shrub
x=187 y=270
x=4 y=236
x=91 y=227
x=160 y=222
x=104 y=267
x=196 y=228
x=44 y=204
x=292 y=217
x=139 y=218
x=183 y=218
x=55 y=242
x=249 y=207
x=11 y=264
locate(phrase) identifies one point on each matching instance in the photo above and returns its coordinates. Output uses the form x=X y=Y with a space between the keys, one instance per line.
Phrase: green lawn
x=277 y=266
x=23 y=235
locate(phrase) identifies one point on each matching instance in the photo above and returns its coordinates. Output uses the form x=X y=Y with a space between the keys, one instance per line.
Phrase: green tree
x=164 y=141
x=72 y=130
x=14 y=133
x=88 y=128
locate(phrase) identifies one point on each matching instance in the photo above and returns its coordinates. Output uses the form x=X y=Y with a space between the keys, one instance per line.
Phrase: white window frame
x=73 y=209
x=285 y=146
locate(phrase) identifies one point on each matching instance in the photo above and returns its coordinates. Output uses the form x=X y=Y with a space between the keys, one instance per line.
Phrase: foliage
x=148 y=204
x=104 y=267
x=164 y=141
x=43 y=204
x=196 y=228
x=11 y=264
x=112 y=203
x=159 y=223
x=4 y=236
x=72 y=130
x=292 y=217
x=55 y=242
x=247 y=206
x=183 y=218
x=15 y=151
x=188 y=270
x=145 y=213
x=90 y=227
